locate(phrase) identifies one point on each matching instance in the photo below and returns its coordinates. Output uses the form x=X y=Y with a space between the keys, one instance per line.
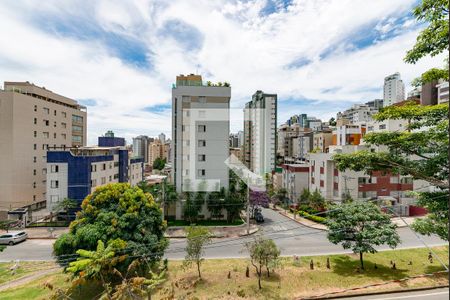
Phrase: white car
x=13 y=237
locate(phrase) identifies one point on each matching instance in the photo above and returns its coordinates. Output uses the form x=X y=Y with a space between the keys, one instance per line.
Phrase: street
x=291 y=237
x=435 y=294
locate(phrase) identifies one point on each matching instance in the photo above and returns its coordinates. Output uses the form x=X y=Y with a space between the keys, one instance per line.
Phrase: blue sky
x=120 y=58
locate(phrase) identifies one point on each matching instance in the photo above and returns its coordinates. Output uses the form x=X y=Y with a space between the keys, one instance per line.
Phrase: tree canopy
x=360 y=226
x=434 y=39
x=116 y=211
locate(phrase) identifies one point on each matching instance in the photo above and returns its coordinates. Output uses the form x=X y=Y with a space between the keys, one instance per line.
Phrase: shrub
x=314 y=218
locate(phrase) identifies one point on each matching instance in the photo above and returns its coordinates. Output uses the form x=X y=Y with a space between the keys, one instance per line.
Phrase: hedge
x=317 y=219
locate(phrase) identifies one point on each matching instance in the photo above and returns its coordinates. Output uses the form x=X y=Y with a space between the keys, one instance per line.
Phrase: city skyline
x=120 y=59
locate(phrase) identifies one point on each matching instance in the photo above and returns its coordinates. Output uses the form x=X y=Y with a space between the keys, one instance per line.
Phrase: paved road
x=436 y=294
x=291 y=237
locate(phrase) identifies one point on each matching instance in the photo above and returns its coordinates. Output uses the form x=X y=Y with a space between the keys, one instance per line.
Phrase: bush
x=308 y=216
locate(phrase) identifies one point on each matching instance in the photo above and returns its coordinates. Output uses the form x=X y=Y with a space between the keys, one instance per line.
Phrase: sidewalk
x=216 y=231
x=41 y=232
x=300 y=220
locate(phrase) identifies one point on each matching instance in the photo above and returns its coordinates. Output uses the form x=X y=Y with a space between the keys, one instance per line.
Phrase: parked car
x=259 y=218
x=13 y=237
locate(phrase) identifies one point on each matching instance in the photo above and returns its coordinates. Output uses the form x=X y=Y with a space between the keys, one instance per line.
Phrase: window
x=54 y=169
x=44 y=146
x=201 y=143
x=35 y=108
x=382 y=126
x=35 y=134
x=93 y=168
x=394 y=180
x=54 y=198
x=64 y=136
x=64 y=114
x=110 y=165
x=103 y=167
x=54 y=112
x=54 y=184
x=77 y=119
x=63 y=125
x=103 y=180
x=77 y=128
x=201 y=128
x=45 y=134
x=54 y=124
x=201 y=157
x=93 y=182
x=185 y=98
x=54 y=135
x=46 y=122
x=202 y=99
x=406 y=180
x=186 y=172
x=46 y=110
x=35 y=120
x=34 y=172
x=116 y=176
x=110 y=178
x=76 y=139
x=201 y=172
x=34 y=158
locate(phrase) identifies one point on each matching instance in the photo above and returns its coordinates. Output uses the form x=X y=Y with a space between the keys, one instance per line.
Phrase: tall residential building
x=234 y=140
x=77 y=172
x=140 y=146
x=443 y=94
x=393 y=90
x=376 y=104
x=32 y=120
x=162 y=138
x=240 y=138
x=260 y=131
x=200 y=134
x=158 y=149
x=358 y=113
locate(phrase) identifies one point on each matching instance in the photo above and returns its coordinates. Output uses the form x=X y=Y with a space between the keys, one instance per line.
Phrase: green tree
x=280 y=195
x=215 y=204
x=159 y=163
x=317 y=201
x=434 y=39
x=234 y=204
x=97 y=265
x=117 y=211
x=65 y=205
x=437 y=220
x=361 y=226
x=7 y=225
x=197 y=238
x=264 y=253
x=332 y=121
x=304 y=196
x=420 y=151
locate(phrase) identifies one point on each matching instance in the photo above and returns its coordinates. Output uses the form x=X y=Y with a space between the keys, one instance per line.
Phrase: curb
x=297 y=220
x=377 y=293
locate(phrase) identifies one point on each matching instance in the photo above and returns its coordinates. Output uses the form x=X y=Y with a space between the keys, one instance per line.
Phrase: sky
x=120 y=58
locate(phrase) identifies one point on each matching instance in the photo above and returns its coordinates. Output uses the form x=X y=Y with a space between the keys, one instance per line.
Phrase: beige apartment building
x=158 y=149
x=33 y=119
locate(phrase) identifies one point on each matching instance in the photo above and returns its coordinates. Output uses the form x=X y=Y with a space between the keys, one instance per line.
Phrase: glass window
x=54 y=169
x=201 y=157
x=201 y=172
x=77 y=119
x=76 y=138
x=54 y=184
x=201 y=128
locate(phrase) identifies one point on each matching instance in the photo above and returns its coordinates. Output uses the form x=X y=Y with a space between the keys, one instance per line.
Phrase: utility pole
x=163 y=199
x=248 y=204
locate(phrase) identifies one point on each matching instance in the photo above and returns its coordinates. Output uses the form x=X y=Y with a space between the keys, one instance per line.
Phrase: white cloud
x=240 y=45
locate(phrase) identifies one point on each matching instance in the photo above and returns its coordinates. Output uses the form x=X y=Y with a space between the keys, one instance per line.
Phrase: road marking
x=413 y=296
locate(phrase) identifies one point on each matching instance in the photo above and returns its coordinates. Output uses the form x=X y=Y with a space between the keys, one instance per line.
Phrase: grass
x=293 y=279
x=205 y=223
x=24 y=268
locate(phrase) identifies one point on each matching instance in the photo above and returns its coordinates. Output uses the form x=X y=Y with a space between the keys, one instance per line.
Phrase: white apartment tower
x=393 y=90
x=260 y=129
x=200 y=134
x=32 y=120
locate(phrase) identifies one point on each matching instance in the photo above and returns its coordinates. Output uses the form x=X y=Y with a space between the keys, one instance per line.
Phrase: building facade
x=260 y=133
x=442 y=92
x=200 y=134
x=295 y=179
x=140 y=146
x=393 y=90
x=77 y=172
x=33 y=119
